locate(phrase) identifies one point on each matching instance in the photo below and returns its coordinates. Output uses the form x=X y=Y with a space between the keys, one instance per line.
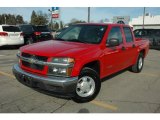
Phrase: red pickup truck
x=79 y=58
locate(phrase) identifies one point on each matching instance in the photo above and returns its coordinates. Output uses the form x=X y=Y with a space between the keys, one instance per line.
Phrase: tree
x=19 y=19
x=3 y=18
x=39 y=18
x=11 y=19
x=56 y=26
x=61 y=24
x=0 y=19
x=33 y=17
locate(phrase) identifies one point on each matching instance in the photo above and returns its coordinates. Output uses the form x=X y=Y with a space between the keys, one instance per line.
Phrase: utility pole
x=51 y=19
x=144 y=12
x=88 y=14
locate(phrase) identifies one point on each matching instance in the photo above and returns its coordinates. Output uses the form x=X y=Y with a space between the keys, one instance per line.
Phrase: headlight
x=63 y=60
x=61 y=67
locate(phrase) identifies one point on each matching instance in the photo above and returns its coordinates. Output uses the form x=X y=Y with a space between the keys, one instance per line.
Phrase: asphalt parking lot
x=125 y=92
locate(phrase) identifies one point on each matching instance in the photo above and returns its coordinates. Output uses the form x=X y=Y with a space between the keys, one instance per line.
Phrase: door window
x=115 y=33
x=128 y=34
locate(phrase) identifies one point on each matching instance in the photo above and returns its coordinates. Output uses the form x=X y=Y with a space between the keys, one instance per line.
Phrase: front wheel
x=137 y=67
x=88 y=86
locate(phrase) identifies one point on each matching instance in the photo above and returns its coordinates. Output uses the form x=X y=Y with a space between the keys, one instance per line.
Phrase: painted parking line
x=7 y=74
x=104 y=105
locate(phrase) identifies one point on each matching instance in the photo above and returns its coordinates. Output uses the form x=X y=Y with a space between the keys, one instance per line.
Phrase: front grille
x=32 y=65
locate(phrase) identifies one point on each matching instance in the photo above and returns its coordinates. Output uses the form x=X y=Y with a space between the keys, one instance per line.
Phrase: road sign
x=55 y=12
x=55 y=15
x=55 y=8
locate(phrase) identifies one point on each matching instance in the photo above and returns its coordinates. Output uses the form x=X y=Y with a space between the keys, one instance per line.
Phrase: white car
x=10 y=35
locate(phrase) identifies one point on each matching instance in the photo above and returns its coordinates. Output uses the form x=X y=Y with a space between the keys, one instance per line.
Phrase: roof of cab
x=104 y=24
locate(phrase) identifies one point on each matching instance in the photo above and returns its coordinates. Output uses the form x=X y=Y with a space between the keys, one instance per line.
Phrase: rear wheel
x=88 y=86
x=137 y=67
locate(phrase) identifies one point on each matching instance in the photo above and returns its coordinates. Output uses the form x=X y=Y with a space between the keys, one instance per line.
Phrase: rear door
x=131 y=51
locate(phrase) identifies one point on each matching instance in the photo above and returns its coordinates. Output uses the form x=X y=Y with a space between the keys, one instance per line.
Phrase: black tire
x=136 y=68
x=90 y=73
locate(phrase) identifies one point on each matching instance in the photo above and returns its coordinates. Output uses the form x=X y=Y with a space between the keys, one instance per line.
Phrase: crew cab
x=76 y=61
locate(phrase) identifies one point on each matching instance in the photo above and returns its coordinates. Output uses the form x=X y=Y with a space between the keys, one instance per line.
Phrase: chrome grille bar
x=34 y=61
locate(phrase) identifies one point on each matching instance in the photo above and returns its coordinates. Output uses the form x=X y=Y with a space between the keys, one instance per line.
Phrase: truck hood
x=54 y=48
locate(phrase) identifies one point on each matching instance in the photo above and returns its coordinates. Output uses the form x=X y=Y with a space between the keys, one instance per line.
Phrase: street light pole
x=144 y=12
x=88 y=14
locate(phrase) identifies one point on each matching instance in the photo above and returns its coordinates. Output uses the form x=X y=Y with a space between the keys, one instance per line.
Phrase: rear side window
x=41 y=29
x=128 y=34
x=26 y=28
x=115 y=33
x=11 y=29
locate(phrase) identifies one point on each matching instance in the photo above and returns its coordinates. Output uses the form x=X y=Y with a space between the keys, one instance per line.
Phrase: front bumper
x=59 y=85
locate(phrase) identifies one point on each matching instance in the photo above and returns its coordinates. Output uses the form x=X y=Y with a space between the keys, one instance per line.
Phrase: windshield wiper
x=76 y=40
x=60 y=39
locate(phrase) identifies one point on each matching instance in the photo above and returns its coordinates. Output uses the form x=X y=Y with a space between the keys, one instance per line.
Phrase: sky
x=80 y=13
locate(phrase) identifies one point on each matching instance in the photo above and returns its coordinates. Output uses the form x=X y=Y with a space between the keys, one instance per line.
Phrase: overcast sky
x=97 y=13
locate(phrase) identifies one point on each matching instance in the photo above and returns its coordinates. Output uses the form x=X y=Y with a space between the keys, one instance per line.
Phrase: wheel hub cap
x=85 y=86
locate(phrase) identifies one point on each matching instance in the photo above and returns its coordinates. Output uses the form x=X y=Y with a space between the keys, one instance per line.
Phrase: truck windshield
x=83 y=33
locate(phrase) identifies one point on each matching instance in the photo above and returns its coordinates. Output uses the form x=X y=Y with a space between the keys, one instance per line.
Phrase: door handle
x=123 y=48
x=133 y=46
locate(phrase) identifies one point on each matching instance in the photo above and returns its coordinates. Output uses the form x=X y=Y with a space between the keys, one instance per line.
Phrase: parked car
x=75 y=63
x=34 y=33
x=10 y=35
x=153 y=35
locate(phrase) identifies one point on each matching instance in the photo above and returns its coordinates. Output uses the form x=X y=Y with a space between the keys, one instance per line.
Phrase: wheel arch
x=143 y=51
x=93 y=65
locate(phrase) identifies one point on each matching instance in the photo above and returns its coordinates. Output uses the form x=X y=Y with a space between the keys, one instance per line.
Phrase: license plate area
x=26 y=80
x=13 y=35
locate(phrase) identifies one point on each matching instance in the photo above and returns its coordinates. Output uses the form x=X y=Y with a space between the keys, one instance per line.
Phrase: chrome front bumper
x=55 y=84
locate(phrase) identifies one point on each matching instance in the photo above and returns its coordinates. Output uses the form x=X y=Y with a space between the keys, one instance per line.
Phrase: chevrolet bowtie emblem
x=32 y=60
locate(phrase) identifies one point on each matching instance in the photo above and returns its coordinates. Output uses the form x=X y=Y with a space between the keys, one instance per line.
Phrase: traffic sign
x=55 y=12
x=55 y=8
x=55 y=15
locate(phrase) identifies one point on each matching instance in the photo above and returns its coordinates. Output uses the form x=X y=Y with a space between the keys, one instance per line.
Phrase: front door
x=114 y=57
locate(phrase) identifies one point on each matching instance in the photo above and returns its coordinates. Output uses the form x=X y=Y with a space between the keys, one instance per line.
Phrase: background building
x=149 y=22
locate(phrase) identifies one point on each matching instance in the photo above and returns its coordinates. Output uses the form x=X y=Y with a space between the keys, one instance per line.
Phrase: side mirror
x=113 y=42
